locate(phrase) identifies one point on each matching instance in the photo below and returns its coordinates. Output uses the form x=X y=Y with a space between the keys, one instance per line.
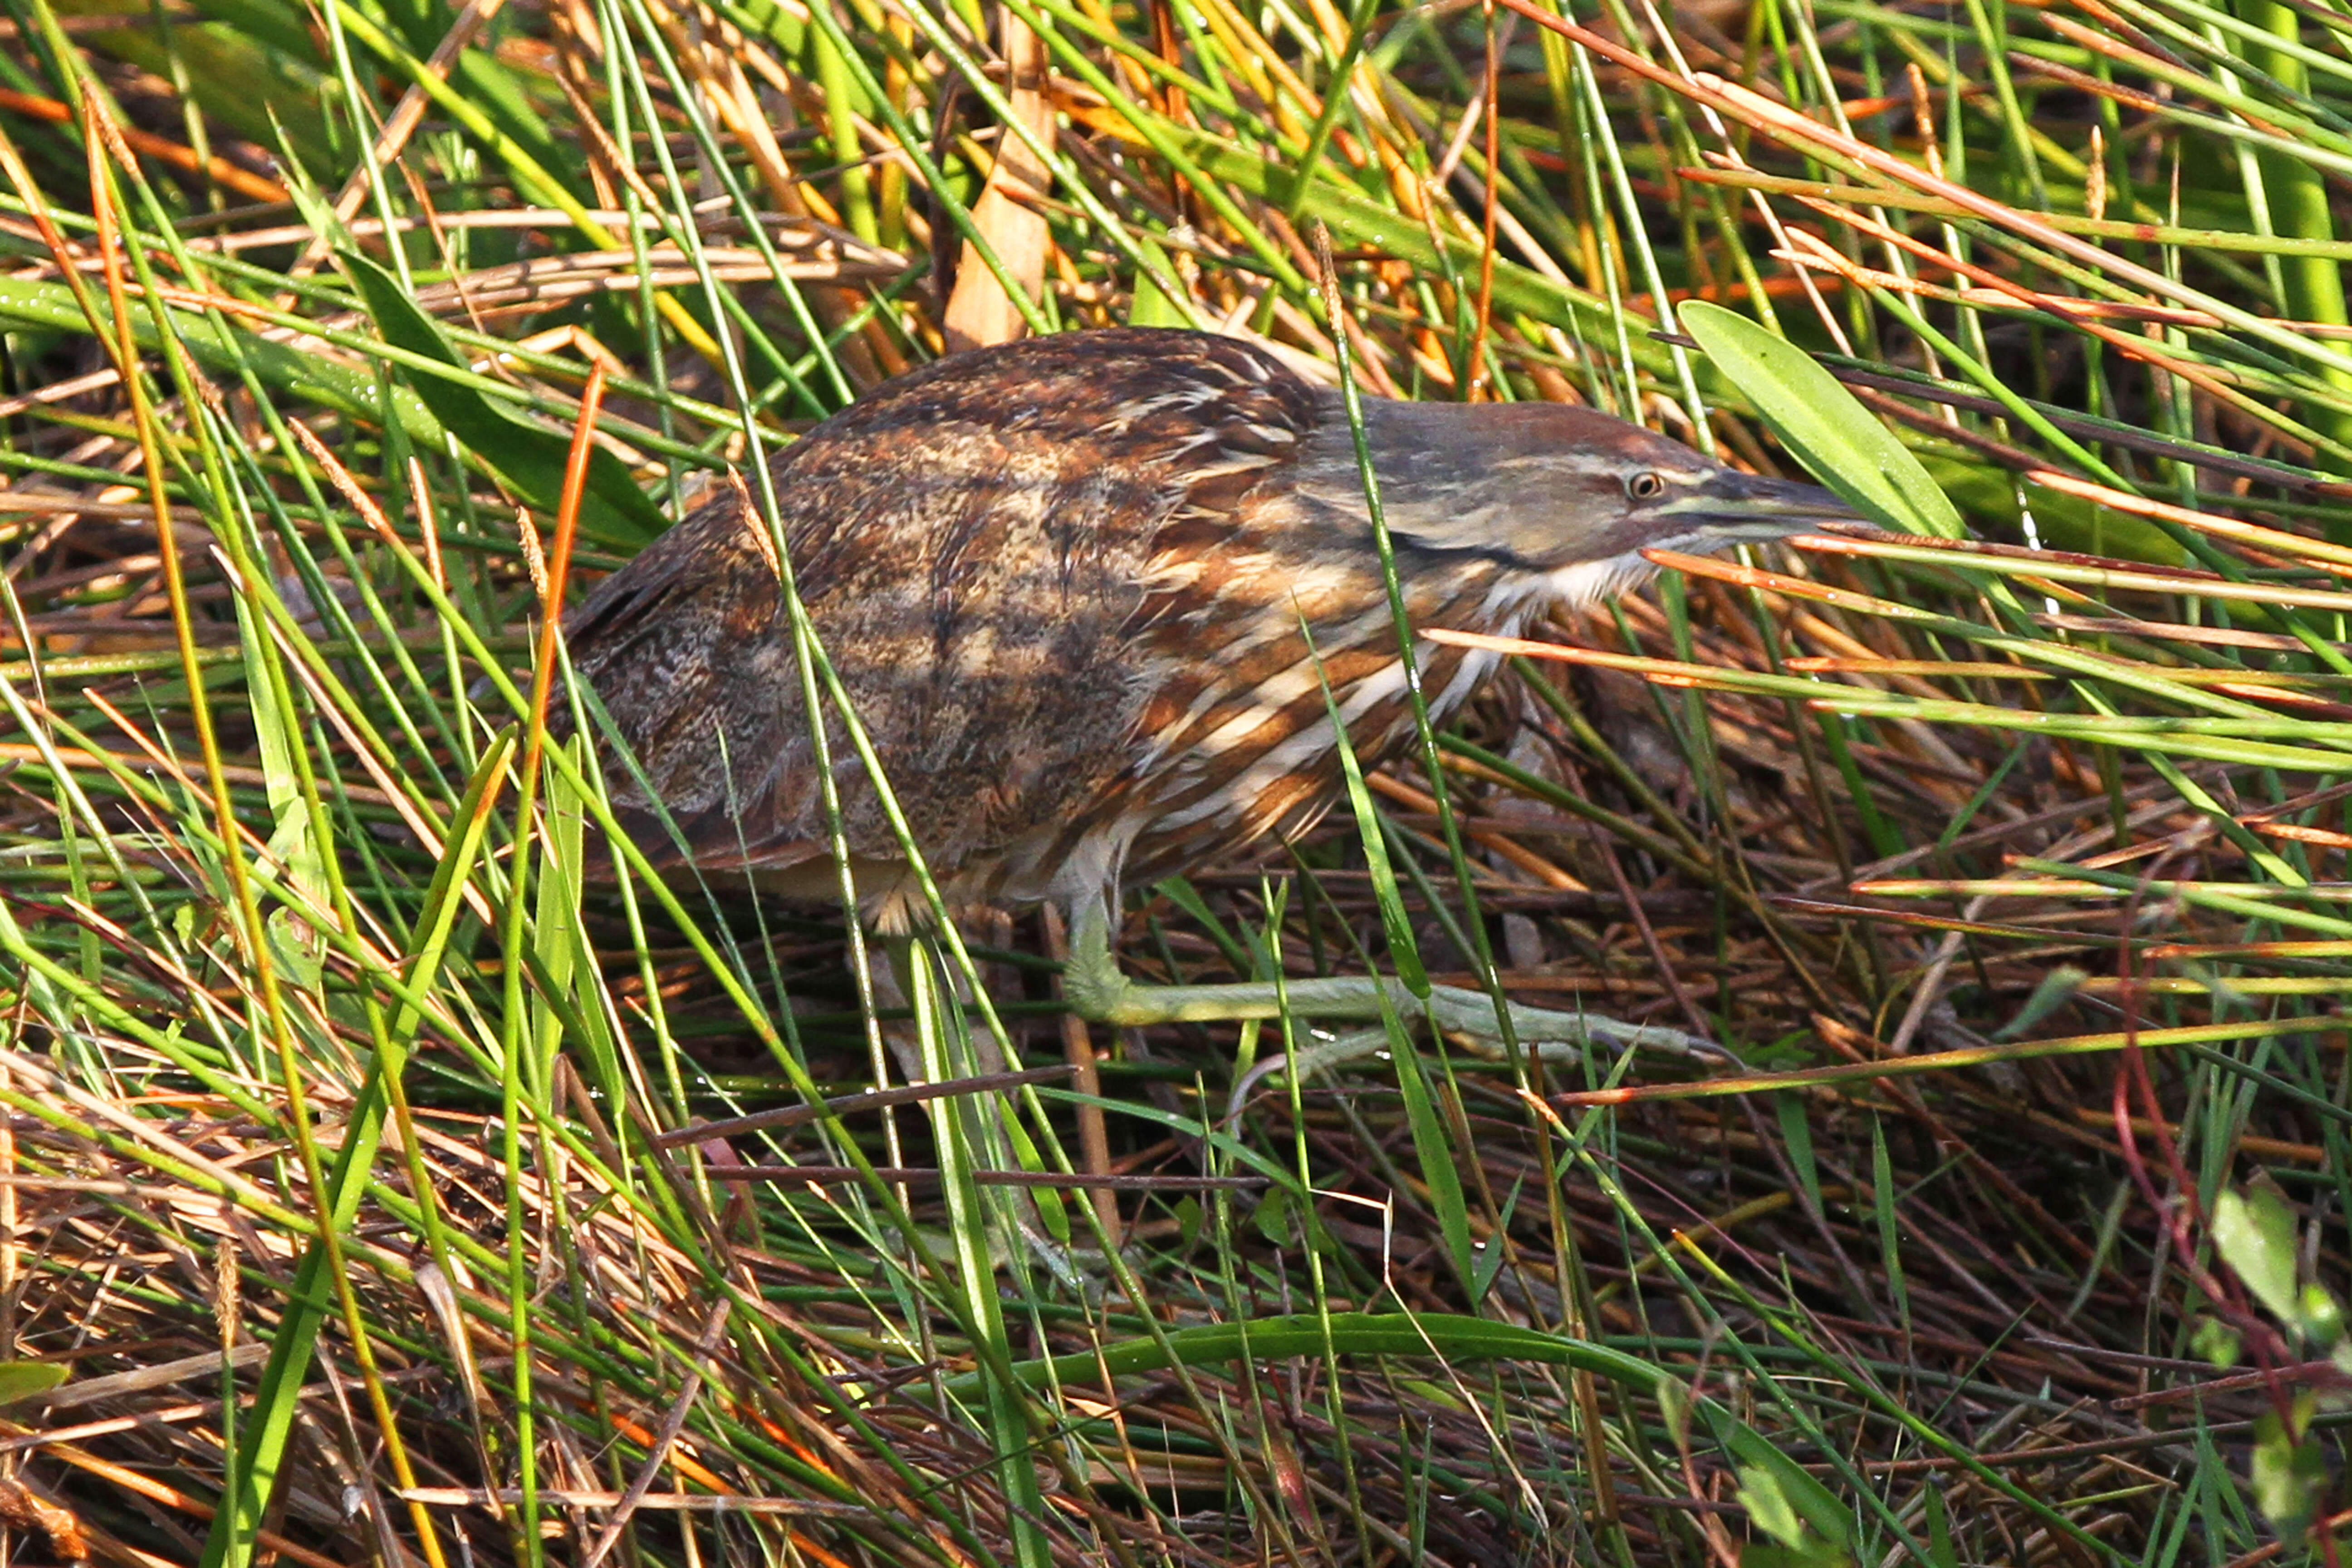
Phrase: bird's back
x=972 y=542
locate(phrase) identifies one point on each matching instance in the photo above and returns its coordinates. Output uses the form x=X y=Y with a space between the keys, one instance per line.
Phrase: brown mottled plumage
x=1063 y=581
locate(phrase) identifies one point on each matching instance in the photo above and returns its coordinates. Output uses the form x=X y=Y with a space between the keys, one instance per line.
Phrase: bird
x=1095 y=598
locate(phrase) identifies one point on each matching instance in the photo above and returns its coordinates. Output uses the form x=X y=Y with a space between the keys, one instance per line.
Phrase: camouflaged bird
x=1084 y=592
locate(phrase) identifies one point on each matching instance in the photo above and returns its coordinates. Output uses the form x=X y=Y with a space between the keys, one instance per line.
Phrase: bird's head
x=1561 y=500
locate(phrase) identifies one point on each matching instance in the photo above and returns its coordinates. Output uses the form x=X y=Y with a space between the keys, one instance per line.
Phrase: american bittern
x=1085 y=592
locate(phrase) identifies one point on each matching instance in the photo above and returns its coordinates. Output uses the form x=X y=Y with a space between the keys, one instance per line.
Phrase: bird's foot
x=1091 y=983
x=1469 y=1017
x=1097 y=991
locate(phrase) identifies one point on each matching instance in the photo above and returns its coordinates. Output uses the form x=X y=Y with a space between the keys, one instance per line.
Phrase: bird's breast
x=1242 y=743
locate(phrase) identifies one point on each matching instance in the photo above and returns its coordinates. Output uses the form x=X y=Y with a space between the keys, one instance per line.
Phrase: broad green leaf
x=2254 y=1232
x=23 y=1379
x=1811 y=1501
x=305 y=376
x=528 y=457
x=2218 y=1343
x=1768 y=1506
x=1272 y=1217
x=1840 y=441
x=251 y=76
x=2288 y=1475
x=1152 y=307
x=2063 y=521
x=2323 y=1315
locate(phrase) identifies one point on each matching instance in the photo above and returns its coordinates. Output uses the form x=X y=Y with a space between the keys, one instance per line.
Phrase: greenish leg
x=1097 y=991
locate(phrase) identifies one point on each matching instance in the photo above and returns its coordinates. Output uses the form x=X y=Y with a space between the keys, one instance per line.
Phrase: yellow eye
x=1645 y=487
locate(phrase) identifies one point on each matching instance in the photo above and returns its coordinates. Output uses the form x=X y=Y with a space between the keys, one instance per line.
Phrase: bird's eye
x=1645 y=487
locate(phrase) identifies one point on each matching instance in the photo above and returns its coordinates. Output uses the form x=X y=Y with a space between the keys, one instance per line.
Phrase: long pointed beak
x=1734 y=506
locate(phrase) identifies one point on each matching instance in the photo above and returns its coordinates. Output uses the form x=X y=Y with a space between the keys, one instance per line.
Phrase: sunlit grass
x=348 y=1111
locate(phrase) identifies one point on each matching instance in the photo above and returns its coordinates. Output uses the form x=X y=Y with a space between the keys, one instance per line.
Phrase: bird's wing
x=677 y=649
x=971 y=542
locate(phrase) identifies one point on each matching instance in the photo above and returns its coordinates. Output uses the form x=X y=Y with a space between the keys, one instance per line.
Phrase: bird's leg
x=1095 y=990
